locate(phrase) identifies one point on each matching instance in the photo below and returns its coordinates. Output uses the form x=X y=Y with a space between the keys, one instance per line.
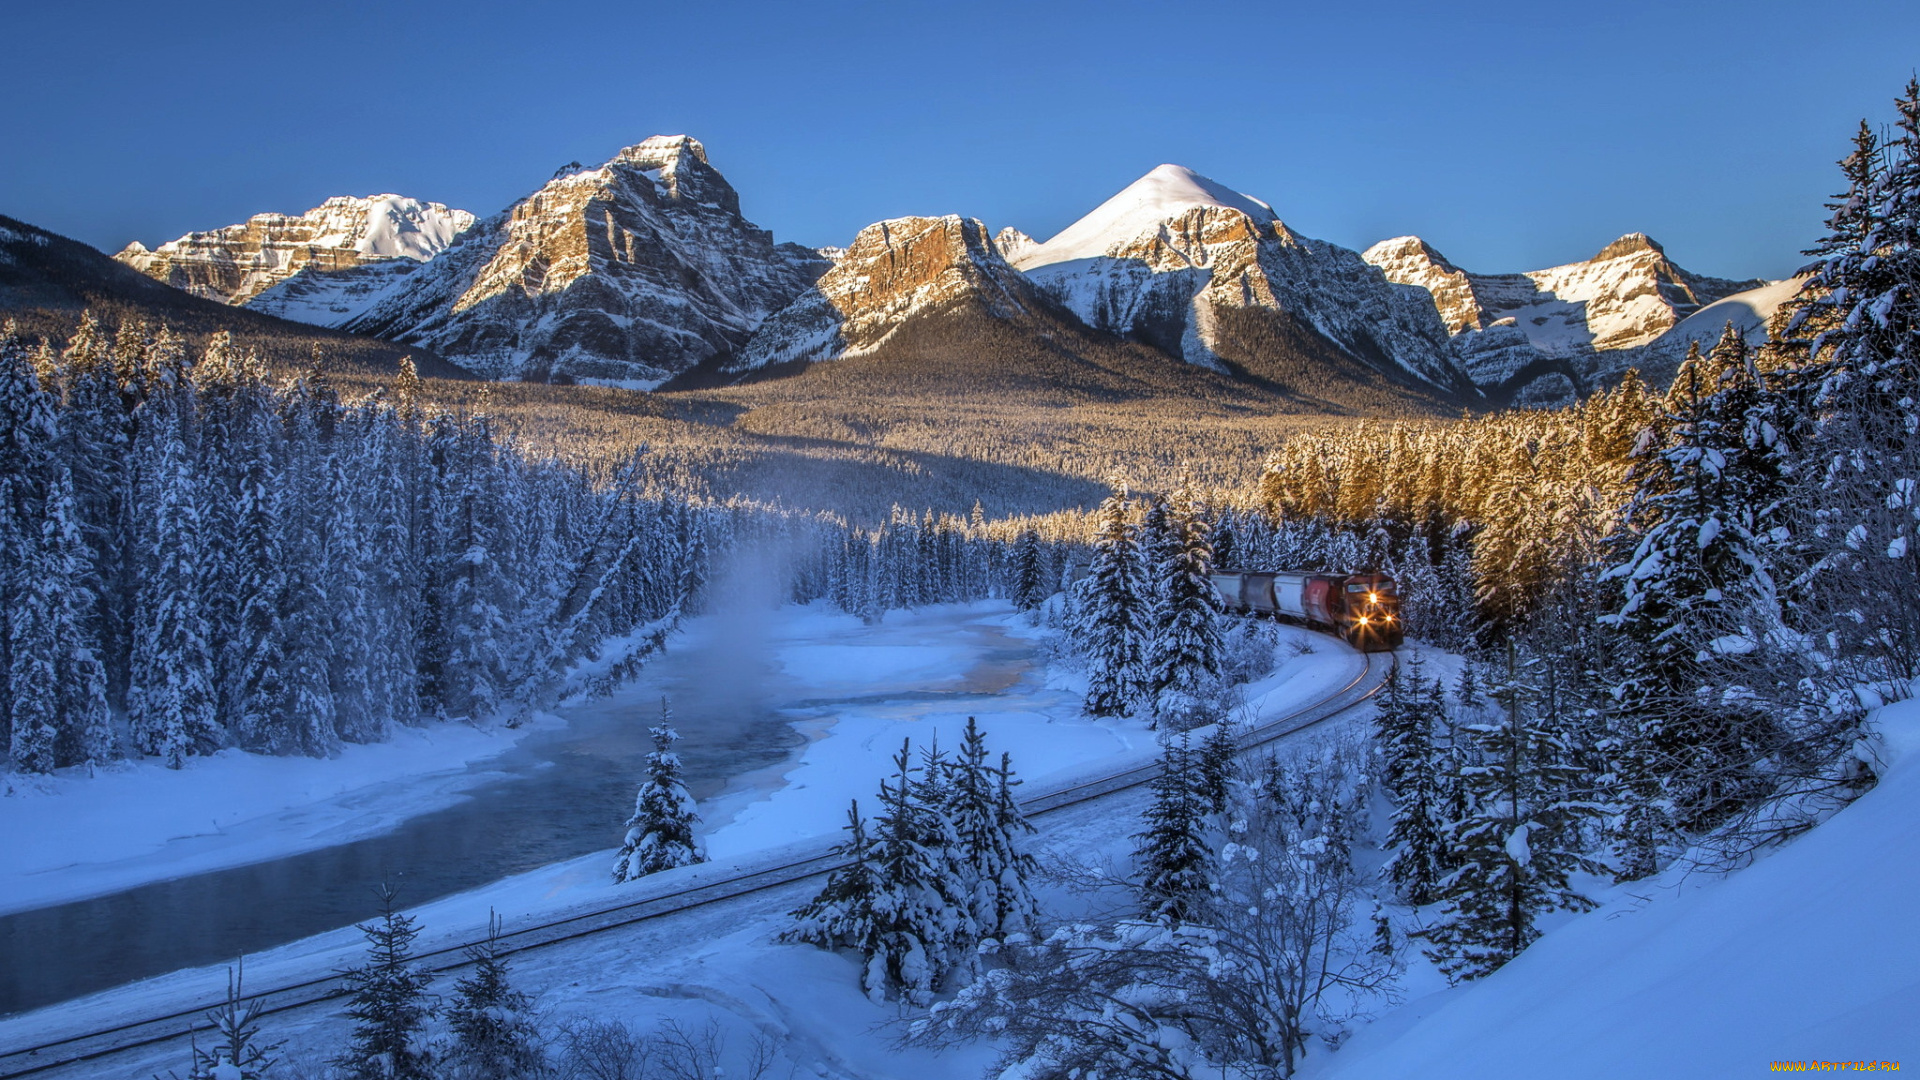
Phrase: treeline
x=200 y=556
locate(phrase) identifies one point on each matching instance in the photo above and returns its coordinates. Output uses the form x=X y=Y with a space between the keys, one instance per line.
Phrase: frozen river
x=751 y=700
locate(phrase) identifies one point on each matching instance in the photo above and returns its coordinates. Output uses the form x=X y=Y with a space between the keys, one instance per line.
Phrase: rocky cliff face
x=893 y=271
x=1169 y=257
x=629 y=273
x=1597 y=317
x=239 y=262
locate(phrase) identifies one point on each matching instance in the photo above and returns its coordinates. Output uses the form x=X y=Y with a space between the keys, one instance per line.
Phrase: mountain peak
x=662 y=150
x=1166 y=192
x=1634 y=243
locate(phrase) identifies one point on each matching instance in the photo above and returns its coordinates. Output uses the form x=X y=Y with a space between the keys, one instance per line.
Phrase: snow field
x=722 y=959
x=1810 y=954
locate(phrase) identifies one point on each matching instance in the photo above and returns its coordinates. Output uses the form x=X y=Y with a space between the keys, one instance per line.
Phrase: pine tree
x=1184 y=648
x=1174 y=857
x=491 y=1023
x=1405 y=730
x=387 y=1001
x=988 y=827
x=852 y=909
x=1029 y=587
x=1111 y=614
x=1215 y=765
x=660 y=832
x=1519 y=842
x=176 y=714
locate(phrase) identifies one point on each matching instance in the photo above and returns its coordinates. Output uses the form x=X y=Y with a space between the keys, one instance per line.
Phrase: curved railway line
x=134 y=1034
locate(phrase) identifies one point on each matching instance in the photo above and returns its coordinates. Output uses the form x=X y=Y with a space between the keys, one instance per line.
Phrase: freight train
x=1362 y=608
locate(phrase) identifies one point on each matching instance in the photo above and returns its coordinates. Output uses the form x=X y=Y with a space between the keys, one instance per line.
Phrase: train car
x=1364 y=609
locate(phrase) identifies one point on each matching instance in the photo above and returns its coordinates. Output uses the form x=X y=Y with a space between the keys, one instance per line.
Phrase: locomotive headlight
x=1362 y=620
x=1373 y=598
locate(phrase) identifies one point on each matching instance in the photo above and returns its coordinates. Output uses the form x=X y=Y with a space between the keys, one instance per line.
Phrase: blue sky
x=1511 y=136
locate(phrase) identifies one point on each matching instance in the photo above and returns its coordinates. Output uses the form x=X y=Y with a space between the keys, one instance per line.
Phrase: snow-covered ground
x=73 y=836
x=909 y=676
x=1812 y=954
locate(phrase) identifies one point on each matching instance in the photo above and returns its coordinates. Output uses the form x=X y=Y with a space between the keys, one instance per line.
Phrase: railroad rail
x=183 y=1023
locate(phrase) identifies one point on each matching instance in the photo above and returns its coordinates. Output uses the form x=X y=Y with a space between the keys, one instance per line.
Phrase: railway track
x=134 y=1034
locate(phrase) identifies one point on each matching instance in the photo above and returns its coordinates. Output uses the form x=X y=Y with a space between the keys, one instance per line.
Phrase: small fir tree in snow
x=237 y=1052
x=1215 y=765
x=1174 y=858
x=387 y=1001
x=851 y=909
x=1111 y=614
x=660 y=832
x=493 y=1036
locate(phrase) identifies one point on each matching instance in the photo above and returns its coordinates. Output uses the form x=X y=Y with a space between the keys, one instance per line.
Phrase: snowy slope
x=1748 y=311
x=237 y=263
x=1206 y=273
x=1813 y=953
x=1140 y=209
x=1600 y=315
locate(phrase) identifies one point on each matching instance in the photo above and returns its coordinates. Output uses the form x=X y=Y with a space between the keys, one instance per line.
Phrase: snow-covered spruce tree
x=491 y=1026
x=1029 y=578
x=901 y=902
x=1273 y=959
x=660 y=832
x=989 y=828
x=173 y=662
x=1184 y=648
x=1520 y=841
x=1110 y=613
x=1214 y=765
x=853 y=908
x=1859 y=326
x=387 y=1001
x=1404 y=728
x=1174 y=858
x=1701 y=576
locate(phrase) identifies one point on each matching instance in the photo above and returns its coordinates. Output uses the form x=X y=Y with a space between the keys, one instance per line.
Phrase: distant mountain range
x=643 y=273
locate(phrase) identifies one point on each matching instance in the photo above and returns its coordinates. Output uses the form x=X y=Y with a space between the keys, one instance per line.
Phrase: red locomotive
x=1362 y=608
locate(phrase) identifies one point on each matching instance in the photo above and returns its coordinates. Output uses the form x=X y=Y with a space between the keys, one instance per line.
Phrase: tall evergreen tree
x=1110 y=612
x=988 y=827
x=1519 y=842
x=1404 y=727
x=1174 y=857
x=1184 y=647
x=387 y=1001
x=175 y=717
x=660 y=832
x=1029 y=587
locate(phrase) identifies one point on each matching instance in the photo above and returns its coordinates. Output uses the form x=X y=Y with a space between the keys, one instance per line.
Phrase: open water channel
x=559 y=794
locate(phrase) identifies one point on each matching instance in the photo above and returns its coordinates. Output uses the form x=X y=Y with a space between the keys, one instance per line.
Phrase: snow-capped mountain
x=1166 y=260
x=629 y=273
x=237 y=263
x=1601 y=316
x=893 y=271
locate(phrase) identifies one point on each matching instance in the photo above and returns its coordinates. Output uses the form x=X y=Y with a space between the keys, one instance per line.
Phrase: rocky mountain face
x=629 y=273
x=1590 y=320
x=892 y=272
x=237 y=263
x=47 y=281
x=1173 y=256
